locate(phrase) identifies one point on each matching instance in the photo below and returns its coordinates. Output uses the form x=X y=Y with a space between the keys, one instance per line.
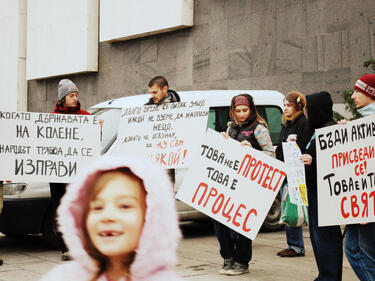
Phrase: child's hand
x=225 y=135
x=306 y=159
x=245 y=143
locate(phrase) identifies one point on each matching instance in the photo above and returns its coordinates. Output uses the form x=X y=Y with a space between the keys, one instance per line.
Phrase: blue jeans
x=233 y=245
x=326 y=242
x=360 y=250
x=294 y=236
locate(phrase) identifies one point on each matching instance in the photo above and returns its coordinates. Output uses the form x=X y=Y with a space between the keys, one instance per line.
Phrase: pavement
x=28 y=258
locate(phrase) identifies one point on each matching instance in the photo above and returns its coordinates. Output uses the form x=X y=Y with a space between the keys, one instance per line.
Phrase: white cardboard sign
x=235 y=185
x=346 y=172
x=168 y=133
x=295 y=173
x=46 y=147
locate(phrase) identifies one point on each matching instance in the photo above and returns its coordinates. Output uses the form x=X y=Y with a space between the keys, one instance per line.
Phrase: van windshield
x=217 y=119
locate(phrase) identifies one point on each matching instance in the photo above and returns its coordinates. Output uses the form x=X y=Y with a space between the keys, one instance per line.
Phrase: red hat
x=241 y=100
x=366 y=85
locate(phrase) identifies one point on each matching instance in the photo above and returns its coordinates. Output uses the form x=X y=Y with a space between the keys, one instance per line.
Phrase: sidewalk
x=199 y=259
x=28 y=259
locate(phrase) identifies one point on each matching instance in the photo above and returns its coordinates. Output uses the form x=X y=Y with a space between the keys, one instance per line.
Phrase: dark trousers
x=57 y=192
x=233 y=244
x=326 y=242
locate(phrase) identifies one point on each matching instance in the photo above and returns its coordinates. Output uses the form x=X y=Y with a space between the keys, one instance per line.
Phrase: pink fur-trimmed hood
x=157 y=246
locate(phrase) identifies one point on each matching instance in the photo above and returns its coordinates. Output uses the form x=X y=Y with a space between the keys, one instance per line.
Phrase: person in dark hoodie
x=68 y=103
x=160 y=93
x=293 y=129
x=326 y=241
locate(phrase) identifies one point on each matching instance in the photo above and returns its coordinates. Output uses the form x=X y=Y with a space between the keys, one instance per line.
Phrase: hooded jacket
x=59 y=109
x=172 y=97
x=320 y=114
x=156 y=250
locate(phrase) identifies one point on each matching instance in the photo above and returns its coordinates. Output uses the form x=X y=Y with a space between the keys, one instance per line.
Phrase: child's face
x=116 y=216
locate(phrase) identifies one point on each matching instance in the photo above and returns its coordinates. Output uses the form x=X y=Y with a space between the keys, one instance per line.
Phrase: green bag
x=292 y=214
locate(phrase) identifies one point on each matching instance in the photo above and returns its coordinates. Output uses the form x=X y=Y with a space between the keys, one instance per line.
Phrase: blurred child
x=119 y=222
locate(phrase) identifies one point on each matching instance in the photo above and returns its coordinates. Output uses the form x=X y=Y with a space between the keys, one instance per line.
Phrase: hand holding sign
x=233 y=184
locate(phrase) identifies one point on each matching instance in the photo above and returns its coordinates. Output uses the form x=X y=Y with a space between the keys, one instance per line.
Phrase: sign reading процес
x=346 y=172
x=46 y=147
x=235 y=185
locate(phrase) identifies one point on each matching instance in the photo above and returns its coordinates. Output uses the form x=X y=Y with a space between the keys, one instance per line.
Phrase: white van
x=27 y=205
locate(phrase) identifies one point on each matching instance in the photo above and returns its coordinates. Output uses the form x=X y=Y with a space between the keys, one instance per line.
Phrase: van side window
x=218 y=118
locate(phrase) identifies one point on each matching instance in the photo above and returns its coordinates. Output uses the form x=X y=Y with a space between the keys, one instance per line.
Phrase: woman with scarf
x=249 y=129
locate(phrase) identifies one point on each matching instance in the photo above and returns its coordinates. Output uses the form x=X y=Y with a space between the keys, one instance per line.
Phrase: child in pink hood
x=119 y=222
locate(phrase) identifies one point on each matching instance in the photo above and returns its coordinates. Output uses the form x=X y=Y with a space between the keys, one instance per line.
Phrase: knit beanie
x=65 y=87
x=366 y=85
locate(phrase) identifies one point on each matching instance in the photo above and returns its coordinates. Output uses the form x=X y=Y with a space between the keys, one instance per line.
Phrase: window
x=218 y=118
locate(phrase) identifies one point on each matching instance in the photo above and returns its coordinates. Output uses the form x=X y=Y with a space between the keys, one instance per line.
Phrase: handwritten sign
x=233 y=184
x=295 y=173
x=168 y=133
x=346 y=172
x=46 y=147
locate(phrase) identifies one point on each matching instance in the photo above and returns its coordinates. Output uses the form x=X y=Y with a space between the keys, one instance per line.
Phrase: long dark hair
x=254 y=115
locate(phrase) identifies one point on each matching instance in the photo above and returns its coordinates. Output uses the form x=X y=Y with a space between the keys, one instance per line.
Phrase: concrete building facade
x=284 y=45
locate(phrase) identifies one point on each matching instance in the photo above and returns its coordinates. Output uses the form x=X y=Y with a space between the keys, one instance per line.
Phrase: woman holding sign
x=326 y=241
x=249 y=129
x=293 y=129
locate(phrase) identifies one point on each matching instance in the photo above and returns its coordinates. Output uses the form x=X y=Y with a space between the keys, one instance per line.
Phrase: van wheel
x=49 y=230
x=271 y=223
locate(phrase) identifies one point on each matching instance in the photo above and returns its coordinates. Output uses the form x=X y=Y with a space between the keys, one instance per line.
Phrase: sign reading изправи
x=346 y=172
x=46 y=147
x=235 y=185
x=168 y=133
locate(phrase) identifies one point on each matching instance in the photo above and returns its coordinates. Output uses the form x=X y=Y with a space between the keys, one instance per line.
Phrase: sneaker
x=237 y=269
x=66 y=256
x=228 y=263
x=289 y=253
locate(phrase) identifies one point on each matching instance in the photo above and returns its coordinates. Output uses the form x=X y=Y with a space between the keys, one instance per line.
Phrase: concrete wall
x=306 y=45
x=13 y=93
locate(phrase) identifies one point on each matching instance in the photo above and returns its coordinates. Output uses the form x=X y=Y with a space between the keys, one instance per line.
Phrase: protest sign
x=295 y=173
x=46 y=147
x=168 y=133
x=235 y=185
x=346 y=166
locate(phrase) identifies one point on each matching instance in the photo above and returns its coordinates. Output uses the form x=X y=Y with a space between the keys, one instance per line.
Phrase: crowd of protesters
x=109 y=215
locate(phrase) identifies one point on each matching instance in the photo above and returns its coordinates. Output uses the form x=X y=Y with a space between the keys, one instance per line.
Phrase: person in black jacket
x=326 y=241
x=160 y=93
x=294 y=129
x=249 y=129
